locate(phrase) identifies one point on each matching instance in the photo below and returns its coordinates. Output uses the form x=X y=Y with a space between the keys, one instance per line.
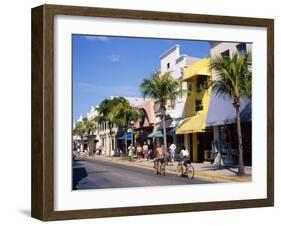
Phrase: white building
x=174 y=62
x=94 y=136
x=103 y=135
x=221 y=114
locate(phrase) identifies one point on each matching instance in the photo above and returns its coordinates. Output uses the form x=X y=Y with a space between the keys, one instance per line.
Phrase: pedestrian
x=139 y=151
x=120 y=151
x=172 y=149
x=145 y=150
x=131 y=149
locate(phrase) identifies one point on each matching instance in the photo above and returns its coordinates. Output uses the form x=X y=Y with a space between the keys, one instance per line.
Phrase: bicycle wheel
x=155 y=168
x=190 y=171
x=179 y=170
x=162 y=169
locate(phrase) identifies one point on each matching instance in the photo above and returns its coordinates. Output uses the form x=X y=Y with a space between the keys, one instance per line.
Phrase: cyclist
x=160 y=154
x=185 y=155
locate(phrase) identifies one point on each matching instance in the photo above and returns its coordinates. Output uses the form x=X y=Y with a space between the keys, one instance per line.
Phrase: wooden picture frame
x=43 y=112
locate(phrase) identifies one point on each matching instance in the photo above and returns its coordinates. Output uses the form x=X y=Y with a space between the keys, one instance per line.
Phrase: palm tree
x=162 y=88
x=80 y=129
x=91 y=126
x=106 y=114
x=234 y=80
x=124 y=115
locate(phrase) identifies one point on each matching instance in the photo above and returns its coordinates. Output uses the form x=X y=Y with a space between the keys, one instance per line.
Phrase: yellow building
x=198 y=80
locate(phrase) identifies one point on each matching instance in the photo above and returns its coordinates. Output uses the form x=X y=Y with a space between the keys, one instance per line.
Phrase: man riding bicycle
x=184 y=166
x=160 y=153
x=159 y=166
x=185 y=156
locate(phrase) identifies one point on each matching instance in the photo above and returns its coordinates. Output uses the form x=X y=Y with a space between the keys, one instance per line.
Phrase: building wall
x=204 y=95
x=217 y=48
x=177 y=63
x=148 y=106
x=193 y=94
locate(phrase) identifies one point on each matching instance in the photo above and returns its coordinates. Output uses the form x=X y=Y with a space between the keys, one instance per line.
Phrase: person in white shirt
x=172 y=152
x=185 y=155
x=131 y=149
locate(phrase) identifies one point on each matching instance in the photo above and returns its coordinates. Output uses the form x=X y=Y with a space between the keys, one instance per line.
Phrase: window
x=168 y=65
x=171 y=104
x=198 y=105
x=241 y=48
x=225 y=53
x=201 y=82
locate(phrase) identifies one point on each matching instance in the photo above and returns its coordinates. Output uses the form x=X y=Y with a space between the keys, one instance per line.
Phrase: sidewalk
x=202 y=170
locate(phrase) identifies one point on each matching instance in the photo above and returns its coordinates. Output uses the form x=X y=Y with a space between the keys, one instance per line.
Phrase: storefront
x=121 y=142
x=221 y=119
x=198 y=138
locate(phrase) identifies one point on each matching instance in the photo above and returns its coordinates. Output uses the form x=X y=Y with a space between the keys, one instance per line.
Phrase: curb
x=200 y=174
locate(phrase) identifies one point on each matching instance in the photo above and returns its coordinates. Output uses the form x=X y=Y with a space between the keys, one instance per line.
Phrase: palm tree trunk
x=164 y=129
x=241 y=170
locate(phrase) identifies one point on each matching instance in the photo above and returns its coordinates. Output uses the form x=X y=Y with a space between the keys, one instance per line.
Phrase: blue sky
x=115 y=66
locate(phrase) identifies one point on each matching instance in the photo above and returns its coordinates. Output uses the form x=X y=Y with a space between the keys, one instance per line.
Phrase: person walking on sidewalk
x=131 y=149
x=145 y=150
x=172 y=149
x=139 y=151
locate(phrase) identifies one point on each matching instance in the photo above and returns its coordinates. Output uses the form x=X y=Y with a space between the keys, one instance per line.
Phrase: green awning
x=172 y=132
x=157 y=133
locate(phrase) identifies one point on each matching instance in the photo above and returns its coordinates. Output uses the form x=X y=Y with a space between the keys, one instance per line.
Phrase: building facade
x=197 y=79
x=106 y=136
x=146 y=125
x=223 y=122
x=175 y=63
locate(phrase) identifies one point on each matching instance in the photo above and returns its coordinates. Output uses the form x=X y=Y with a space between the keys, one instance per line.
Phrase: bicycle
x=185 y=168
x=159 y=167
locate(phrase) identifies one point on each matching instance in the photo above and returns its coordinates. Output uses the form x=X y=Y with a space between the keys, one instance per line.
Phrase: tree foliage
x=234 y=76
x=234 y=80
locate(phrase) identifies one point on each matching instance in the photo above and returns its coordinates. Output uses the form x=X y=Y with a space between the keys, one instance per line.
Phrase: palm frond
x=233 y=75
x=161 y=87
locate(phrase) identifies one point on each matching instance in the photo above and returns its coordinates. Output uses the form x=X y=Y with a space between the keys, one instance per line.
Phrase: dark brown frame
x=43 y=120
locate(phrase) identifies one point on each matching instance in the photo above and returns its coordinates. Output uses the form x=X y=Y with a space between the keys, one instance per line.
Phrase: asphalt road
x=95 y=174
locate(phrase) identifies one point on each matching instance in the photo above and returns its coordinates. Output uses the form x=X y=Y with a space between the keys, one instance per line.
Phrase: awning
x=194 y=124
x=201 y=67
x=172 y=132
x=157 y=133
x=129 y=137
x=222 y=112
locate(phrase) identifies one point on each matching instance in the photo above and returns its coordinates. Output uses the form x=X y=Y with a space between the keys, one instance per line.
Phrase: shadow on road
x=78 y=175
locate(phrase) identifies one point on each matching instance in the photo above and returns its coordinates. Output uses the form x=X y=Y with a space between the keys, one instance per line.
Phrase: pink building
x=147 y=124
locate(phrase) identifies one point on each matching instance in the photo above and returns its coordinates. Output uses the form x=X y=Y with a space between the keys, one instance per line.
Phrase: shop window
x=198 y=105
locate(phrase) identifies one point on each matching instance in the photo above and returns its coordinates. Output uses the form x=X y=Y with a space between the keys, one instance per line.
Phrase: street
x=96 y=174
